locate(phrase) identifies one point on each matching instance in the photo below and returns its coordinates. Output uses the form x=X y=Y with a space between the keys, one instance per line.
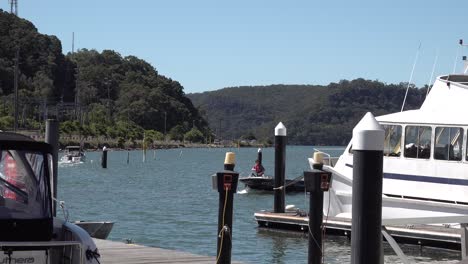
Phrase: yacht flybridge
x=425 y=157
x=29 y=232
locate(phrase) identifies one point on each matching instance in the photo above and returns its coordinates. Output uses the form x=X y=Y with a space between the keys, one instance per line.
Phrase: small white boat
x=425 y=170
x=99 y=230
x=29 y=230
x=73 y=154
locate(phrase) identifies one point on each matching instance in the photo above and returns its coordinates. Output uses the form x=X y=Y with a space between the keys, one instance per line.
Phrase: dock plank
x=419 y=234
x=119 y=252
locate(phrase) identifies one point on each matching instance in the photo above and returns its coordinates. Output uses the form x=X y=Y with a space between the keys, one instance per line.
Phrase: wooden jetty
x=119 y=252
x=419 y=234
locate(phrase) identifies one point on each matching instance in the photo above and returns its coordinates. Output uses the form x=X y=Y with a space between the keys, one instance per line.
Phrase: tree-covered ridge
x=90 y=92
x=130 y=89
x=41 y=60
x=318 y=115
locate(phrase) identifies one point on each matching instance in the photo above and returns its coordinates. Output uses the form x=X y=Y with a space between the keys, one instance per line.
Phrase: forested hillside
x=318 y=115
x=90 y=92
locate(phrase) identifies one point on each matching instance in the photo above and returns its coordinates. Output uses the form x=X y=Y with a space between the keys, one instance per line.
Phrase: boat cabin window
x=24 y=191
x=392 y=143
x=418 y=142
x=448 y=143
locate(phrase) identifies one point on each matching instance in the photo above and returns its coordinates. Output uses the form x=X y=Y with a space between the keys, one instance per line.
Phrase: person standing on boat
x=258 y=169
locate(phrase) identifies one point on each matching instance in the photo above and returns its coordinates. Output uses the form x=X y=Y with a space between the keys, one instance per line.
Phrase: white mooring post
x=366 y=239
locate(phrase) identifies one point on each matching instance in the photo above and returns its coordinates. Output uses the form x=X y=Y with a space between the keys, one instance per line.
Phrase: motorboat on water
x=29 y=230
x=73 y=154
x=266 y=183
x=257 y=180
x=425 y=164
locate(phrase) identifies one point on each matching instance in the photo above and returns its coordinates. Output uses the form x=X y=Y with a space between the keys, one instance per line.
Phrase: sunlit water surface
x=168 y=202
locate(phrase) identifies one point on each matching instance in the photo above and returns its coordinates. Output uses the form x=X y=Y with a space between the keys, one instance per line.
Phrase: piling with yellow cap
x=318 y=160
x=226 y=183
x=230 y=161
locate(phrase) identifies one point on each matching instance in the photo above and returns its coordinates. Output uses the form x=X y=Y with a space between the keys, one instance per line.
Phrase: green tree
x=6 y=122
x=194 y=135
x=153 y=135
x=177 y=133
x=68 y=127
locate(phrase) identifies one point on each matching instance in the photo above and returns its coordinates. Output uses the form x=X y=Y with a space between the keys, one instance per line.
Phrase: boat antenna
x=464 y=57
x=432 y=73
x=456 y=57
x=411 y=76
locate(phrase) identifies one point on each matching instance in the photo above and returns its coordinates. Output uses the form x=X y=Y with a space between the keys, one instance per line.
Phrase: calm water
x=168 y=202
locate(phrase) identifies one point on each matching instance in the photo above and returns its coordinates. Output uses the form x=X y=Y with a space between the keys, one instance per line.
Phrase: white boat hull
x=402 y=198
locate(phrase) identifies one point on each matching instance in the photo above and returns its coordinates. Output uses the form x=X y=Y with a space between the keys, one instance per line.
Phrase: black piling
x=52 y=136
x=280 y=166
x=316 y=182
x=104 y=158
x=226 y=184
x=128 y=157
x=259 y=156
x=366 y=230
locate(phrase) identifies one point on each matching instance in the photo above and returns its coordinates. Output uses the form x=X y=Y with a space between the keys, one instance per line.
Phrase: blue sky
x=209 y=44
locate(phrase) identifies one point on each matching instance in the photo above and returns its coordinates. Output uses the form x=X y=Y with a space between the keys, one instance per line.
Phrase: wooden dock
x=418 y=234
x=119 y=252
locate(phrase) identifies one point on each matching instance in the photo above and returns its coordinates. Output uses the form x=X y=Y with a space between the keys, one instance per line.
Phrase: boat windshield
x=24 y=185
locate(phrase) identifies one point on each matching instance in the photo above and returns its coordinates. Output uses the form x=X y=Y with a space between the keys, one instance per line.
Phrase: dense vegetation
x=92 y=93
x=318 y=115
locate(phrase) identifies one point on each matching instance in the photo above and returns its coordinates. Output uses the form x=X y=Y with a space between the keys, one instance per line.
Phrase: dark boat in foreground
x=266 y=183
x=30 y=232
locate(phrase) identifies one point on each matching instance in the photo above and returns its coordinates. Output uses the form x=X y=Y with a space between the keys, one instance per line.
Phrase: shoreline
x=97 y=143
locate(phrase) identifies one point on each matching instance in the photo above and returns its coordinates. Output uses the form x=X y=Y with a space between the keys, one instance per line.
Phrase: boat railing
x=455 y=79
x=328 y=160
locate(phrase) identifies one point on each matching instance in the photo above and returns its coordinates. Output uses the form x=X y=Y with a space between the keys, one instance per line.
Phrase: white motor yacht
x=425 y=171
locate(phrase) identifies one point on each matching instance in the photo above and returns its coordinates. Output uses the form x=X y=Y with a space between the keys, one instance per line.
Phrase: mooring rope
x=295 y=180
x=223 y=229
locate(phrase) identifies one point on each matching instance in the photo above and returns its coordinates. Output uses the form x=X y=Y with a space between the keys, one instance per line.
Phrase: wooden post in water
x=52 y=137
x=104 y=158
x=226 y=184
x=128 y=156
x=280 y=166
x=366 y=230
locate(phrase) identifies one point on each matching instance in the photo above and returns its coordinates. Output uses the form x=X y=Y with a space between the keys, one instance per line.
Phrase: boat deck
x=418 y=234
x=119 y=252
